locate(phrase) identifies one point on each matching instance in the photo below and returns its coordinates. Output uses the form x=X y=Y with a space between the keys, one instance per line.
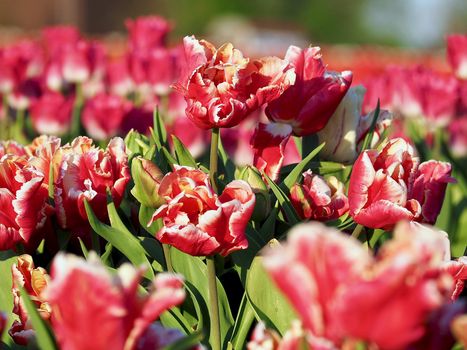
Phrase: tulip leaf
x=44 y=336
x=183 y=156
x=295 y=174
x=195 y=272
x=7 y=259
x=267 y=301
x=284 y=201
x=369 y=136
x=170 y=158
x=227 y=166
x=243 y=322
x=158 y=132
x=174 y=319
x=122 y=240
x=187 y=342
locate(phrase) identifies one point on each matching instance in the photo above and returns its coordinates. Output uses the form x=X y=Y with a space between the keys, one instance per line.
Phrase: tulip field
x=190 y=196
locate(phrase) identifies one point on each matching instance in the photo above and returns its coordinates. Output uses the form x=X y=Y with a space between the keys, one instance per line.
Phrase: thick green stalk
x=213 y=158
x=213 y=304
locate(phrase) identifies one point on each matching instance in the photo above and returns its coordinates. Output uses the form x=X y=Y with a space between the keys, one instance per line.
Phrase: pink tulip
x=33 y=280
x=12 y=148
x=146 y=33
x=319 y=199
x=457 y=54
x=24 y=210
x=103 y=115
x=268 y=143
x=196 y=220
x=222 y=87
x=345 y=294
x=84 y=295
x=51 y=114
x=389 y=186
x=118 y=77
x=85 y=173
x=310 y=102
x=458 y=137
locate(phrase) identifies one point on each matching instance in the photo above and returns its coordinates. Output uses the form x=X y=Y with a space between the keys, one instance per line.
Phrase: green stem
x=213 y=304
x=357 y=230
x=213 y=158
x=168 y=260
x=76 y=121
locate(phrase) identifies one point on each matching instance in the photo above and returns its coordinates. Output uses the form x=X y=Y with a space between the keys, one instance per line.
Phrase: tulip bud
x=340 y=132
x=147 y=177
x=261 y=191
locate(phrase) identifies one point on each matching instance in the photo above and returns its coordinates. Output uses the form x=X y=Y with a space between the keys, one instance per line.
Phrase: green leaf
x=7 y=259
x=295 y=174
x=187 y=342
x=183 y=156
x=169 y=158
x=369 y=136
x=44 y=336
x=195 y=272
x=284 y=201
x=267 y=301
x=227 y=166
x=243 y=322
x=121 y=239
x=174 y=319
x=158 y=132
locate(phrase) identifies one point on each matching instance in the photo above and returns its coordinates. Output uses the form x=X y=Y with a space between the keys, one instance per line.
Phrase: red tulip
x=23 y=203
x=146 y=33
x=103 y=115
x=268 y=143
x=458 y=137
x=108 y=310
x=458 y=270
x=51 y=114
x=118 y=77
x=389 y=186
x=33 y=280
x=319 y=199
x=85 y=173
x=196 y=220
x=310 y=102
x=222 y=87
x=12 y=148
x=391 y=304
x=346 y=294
x=457 y=54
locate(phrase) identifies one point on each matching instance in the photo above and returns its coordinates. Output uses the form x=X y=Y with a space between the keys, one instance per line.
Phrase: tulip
x=24 y=211
x=390 y=186
x=196 y=220
x=84 y=294
x=340 y=133
x=261 y=191
x=222 y=87
x=33 y=280
x=85 y=173
x=383 y=121
x=51 y=114
x=11 y=148
x=148 y=32
x=118 y=77
x=319 y=199
x=268 y=143
x=458 y=137
x=457 y=54
x=103 y=115
x=311 y=101
x=147 y=178
x=344 y=293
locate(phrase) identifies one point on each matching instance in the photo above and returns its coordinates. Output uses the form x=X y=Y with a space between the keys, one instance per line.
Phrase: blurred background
x=405 y=23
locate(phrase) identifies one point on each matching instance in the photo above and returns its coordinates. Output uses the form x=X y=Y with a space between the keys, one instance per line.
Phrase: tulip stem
x=168 y=260
x=213 y=158
x=76 y=116
x=213 y=304
x=357 y=230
